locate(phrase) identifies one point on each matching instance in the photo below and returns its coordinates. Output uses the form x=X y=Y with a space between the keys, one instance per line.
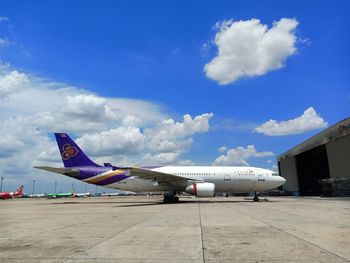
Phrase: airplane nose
x=278 y=181
x=282 y=180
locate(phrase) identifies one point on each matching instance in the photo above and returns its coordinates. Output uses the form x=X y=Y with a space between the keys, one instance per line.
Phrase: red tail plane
x=9 y=195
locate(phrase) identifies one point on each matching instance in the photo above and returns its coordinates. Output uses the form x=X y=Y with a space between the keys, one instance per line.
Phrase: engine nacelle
x=201 y=189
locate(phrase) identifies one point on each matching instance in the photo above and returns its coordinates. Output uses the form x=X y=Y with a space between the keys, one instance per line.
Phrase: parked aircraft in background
x=60 y=195
x=37 y=195
x=9 y=195
x=202 y=181
x=82 y=194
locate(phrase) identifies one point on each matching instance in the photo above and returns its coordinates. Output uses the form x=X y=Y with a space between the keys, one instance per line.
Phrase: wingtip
x=38 y=167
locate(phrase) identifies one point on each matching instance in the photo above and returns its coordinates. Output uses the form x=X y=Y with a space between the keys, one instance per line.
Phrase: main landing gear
x=170 y=198
x=256 y=198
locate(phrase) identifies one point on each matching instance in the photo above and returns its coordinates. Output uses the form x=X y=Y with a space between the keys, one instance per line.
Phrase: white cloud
x=58 y=106
x=117 y=130
x=248 y=48
x=49 y=155
x=161 y=158
x=51 y=106
x=166 y=158
x=169 y=135
x=205 y=48
x=162 y=143
x=4 y=19
x=240 y=156
x=88 y=107
x=9 y=145
x=310 y=120
x=131 y=121
x=185 y=162
x=12 y=82
x=4 y=42
x=169 y=128
x=222 y=149
x=121 y=140
x=263 y=154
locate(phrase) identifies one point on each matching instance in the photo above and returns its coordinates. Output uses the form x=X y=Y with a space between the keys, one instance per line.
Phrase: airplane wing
x=137 y=172
x=159 y=176
x=65 y=171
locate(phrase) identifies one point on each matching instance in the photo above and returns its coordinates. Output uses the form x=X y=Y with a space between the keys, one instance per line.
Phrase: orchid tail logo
x=68 y=151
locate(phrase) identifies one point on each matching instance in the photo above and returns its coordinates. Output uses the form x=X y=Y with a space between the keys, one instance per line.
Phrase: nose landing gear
x=256 y=198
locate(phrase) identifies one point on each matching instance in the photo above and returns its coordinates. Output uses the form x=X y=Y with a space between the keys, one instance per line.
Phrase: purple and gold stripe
x=113 y=179
x=109 y=178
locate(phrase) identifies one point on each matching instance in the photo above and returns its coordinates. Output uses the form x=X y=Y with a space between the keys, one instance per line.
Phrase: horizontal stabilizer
x=65 y=171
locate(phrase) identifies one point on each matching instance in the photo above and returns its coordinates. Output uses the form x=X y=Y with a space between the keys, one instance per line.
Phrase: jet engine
x=201 y=189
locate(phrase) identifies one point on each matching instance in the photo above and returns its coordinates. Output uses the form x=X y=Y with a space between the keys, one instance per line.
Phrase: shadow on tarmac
x=194 y=201
x=158 y=202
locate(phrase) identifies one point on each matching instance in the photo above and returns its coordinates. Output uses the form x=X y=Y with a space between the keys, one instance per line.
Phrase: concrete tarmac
x=142 y=229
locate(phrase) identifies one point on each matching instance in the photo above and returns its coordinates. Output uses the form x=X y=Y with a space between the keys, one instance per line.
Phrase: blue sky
x=150 y=57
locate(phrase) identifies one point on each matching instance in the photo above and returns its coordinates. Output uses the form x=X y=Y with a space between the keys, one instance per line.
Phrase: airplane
x=87 y=194
x=201 y=181
x=59 y=195
x=42 y=195
x=9 y=195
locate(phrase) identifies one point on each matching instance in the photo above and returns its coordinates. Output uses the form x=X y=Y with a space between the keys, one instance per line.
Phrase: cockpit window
x=274 y=174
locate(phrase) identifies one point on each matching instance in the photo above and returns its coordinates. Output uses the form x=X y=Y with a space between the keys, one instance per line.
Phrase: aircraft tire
x=167 y=198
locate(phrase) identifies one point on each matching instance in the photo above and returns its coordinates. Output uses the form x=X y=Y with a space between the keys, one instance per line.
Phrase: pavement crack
x=201 y=227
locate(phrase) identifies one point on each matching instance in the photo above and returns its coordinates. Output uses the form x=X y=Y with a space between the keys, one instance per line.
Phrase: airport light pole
x=33 y=186
x=85 y=188
x=2 y=178
x=72 y=188
x=55 y=187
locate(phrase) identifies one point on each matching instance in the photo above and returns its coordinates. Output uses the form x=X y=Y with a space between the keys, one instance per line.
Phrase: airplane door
x=227 y=176
x=228 y=182
x=259 y=183
x=261 y=177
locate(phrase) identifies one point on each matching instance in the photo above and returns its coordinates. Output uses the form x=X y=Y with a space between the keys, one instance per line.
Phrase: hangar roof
x=334 y=132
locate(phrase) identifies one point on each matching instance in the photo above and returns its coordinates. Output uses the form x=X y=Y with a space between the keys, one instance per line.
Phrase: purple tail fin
x=71 y=154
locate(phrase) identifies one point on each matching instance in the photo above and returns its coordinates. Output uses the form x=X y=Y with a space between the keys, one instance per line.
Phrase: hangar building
x=324 y=156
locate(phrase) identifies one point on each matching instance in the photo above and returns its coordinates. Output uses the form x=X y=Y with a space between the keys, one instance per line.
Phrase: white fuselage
x=226 y=179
